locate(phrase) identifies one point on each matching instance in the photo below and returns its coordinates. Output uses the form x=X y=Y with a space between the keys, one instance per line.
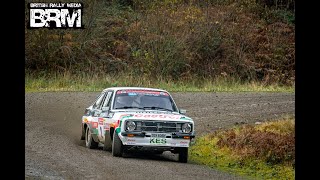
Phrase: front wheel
x=117 y=147
x=82 y=133
x=107 y=142
x=183 y=155
x=90 y=143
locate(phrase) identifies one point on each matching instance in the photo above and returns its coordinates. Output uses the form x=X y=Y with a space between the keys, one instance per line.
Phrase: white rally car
x=125 y=119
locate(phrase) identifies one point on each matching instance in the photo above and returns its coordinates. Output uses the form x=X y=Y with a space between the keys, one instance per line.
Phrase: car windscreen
x=143 y=99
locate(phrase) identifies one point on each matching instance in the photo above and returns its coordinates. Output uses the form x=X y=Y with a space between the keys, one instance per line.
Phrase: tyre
x=107 y=142
x=82 y=133
x=183 y=155
x=117 y=147
x=90 y=143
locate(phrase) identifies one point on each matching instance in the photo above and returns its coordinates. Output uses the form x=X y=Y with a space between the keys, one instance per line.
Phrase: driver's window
x=108 y=100
x=98 y=102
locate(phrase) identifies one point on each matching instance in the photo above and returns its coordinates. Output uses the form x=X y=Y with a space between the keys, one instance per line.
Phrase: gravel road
x=53 y=149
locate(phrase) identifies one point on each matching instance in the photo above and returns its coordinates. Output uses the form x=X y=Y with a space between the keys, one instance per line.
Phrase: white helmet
x=124 y=100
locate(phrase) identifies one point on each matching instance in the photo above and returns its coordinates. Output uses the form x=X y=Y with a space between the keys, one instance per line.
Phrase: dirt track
x=53 y=148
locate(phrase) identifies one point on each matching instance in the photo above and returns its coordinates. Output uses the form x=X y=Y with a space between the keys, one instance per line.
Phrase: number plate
x=158 y=138
x=159 y=135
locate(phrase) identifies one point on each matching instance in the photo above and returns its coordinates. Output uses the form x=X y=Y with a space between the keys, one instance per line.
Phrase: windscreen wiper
x=129 y=107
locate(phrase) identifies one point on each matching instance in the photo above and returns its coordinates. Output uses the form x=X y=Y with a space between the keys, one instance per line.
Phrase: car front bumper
x=145 y=139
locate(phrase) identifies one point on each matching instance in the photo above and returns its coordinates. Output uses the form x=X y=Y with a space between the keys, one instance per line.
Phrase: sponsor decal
x=95 y=131
x=94 y=124
x=161 y=116
x=184 y=142
x=131 y=143
x=107 y=126
x=85 y=120
x=119 y=122
x=100 y=120
x=123 y=115
x=134 y=92
x=132 y=140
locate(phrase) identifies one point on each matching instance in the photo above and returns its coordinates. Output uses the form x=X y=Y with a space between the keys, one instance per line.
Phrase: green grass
x=67 y=82
x=207 y=151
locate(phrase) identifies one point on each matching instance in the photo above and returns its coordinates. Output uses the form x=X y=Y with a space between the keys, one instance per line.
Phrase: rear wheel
x=90 y=143
x=117 y=147
x=183 y=155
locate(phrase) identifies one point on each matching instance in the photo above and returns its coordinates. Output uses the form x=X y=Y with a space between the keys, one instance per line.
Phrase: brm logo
x=55 y=15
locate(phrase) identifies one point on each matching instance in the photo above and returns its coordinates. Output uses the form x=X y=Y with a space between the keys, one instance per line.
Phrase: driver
x=122 y=101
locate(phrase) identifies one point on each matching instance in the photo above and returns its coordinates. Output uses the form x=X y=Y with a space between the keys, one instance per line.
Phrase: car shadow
x=165 y=156
x=143 y=155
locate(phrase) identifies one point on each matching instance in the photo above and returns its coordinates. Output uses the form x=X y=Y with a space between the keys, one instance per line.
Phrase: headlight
x=131 y=125
x=186 y=128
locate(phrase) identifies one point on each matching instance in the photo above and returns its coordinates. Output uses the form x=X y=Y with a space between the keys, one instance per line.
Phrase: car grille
x=158 y=126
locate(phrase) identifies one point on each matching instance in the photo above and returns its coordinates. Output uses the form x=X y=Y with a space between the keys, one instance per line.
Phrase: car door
x=95 y=110
x=103 y=115
x=90 y=111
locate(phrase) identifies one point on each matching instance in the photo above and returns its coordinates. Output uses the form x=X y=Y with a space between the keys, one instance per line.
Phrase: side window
x=107 y=102
x=98 y=102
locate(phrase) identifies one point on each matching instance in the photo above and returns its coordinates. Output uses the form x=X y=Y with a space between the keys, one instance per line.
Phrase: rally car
x=124 y=119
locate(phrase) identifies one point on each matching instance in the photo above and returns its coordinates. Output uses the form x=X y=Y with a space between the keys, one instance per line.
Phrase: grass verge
x=82 y=82
x=265 y=151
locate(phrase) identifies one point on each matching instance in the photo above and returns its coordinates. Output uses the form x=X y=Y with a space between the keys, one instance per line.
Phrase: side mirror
x=105 y=109
x=87 y=112
x=182 y=111
x=107 y=114
x=97 y=112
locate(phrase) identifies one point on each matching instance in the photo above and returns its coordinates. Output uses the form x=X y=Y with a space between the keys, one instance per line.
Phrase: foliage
x=265 y=151
x=179 y=40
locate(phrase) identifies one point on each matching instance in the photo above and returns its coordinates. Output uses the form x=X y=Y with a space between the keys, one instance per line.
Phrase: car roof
x=135 y=88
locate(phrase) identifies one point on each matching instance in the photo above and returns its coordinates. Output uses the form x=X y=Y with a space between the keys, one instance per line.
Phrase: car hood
x=150 y=115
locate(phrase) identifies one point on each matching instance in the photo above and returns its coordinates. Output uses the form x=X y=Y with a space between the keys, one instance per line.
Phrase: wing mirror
x=182 y=111
x=105 y=112
x=87 y=112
